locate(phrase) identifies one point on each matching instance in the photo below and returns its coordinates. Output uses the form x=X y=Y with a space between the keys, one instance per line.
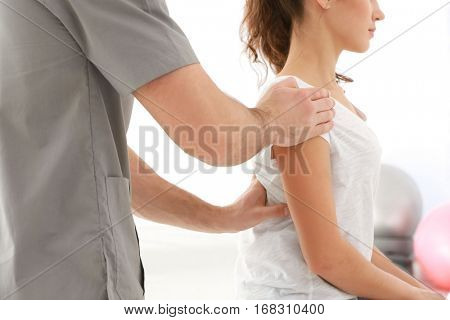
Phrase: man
x=70 y=70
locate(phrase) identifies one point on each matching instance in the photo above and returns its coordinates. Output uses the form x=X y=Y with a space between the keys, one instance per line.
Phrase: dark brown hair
x=266 y=32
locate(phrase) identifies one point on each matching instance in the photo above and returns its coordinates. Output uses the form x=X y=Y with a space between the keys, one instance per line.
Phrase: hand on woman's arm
x=155 y=199
x=306 y=174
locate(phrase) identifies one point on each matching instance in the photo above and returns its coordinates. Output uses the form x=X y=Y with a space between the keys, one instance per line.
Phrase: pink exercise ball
x=432 y=247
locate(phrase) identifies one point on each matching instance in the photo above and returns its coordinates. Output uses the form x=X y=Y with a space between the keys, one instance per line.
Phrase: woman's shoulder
x=300 y=82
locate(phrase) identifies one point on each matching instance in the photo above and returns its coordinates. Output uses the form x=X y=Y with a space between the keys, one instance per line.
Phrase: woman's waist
x=267 y=275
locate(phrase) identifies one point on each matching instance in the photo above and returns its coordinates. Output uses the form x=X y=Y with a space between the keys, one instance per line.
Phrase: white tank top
x=270 y=264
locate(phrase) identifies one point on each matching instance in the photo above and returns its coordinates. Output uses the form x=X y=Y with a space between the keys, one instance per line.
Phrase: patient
x=325 y=249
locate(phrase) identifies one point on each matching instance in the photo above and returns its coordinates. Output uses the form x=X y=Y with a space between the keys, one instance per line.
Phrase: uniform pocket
x=129 y=273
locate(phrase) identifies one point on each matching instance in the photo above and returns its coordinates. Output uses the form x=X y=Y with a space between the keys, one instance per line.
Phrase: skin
x=337 y=25
x=188 y=97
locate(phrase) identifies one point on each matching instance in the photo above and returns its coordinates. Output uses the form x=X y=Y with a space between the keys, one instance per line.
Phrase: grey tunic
x=67 y=71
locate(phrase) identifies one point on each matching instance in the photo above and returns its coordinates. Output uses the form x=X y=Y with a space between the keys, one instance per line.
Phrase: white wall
x=403 y=88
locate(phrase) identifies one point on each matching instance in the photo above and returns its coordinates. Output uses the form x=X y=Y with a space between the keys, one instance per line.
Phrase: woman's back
x=270 y=264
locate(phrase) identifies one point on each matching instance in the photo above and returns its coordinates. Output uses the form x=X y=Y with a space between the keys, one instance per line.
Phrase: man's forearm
x=155 y=199
x=201 y=119
x=384 y=263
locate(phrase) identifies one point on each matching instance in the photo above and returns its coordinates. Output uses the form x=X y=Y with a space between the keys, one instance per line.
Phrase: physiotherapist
x=69 y=72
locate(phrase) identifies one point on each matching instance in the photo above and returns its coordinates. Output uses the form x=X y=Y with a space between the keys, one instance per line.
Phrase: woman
x=324 y=250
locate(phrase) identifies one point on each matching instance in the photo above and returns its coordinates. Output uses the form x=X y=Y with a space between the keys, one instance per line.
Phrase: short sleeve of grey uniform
x=131 y=42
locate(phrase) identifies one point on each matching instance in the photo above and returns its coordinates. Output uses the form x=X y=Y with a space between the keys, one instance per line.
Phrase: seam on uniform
x=102 y=253
x=116 y=282
x=165 y=31
x=146 y=7
x=105 y=267
x=49 y=8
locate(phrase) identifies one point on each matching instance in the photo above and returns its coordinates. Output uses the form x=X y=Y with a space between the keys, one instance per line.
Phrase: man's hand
x=290 y=115
x=156 y=199
x=249 y=210
x=190 y=108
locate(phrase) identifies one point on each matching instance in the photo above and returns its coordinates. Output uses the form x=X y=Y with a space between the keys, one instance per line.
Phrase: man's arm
x=219 y=130
x=384 y=263
x=155 y=199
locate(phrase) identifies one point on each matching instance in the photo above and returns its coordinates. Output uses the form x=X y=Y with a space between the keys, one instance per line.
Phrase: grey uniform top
x=67 y=71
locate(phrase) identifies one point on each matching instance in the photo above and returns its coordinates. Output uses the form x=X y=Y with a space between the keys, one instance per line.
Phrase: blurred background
x=402 y=84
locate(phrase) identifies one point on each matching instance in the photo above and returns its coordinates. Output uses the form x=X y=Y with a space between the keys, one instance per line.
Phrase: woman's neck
x=312 y=57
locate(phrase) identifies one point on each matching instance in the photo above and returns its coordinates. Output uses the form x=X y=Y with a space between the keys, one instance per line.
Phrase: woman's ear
x=325 y=4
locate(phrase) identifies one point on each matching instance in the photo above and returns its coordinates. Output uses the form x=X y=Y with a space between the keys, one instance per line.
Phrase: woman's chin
x=360 y=48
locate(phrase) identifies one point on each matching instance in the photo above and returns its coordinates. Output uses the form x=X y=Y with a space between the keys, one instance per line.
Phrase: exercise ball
x=432 y=247
x=398 y=209
x=398 y=204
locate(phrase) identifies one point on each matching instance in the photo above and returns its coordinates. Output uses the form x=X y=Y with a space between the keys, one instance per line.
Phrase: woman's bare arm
x=310 y=199
x=384 y=263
